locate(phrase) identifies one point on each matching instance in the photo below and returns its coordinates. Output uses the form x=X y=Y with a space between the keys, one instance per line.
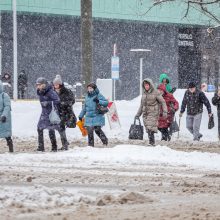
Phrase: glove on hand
x=96 y=100
x=3 y=119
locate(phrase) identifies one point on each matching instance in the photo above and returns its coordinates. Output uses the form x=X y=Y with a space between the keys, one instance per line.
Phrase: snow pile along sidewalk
x=119 y=156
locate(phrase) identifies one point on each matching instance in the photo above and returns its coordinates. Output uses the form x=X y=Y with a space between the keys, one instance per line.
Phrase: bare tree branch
x=190 y=3
x=203 y=3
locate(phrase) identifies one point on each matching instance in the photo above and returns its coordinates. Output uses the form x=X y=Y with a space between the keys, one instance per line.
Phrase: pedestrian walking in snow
x=150 y=107
x=66 y=113
x=94 y=119
x=6 y=80
x=216 y=102
x=48 y=99
x=172 y=107
x=22 y=84
x=193 y=100
x=164 y=79
x=5 y=118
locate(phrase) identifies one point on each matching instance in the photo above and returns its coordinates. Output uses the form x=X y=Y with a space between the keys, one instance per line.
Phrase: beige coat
x=150 y=106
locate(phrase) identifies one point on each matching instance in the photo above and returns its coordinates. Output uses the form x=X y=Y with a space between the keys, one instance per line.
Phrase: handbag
x=54 y=117
x=136 y=131
x=101 y=109
x=211 y=122
x=71 y=123
x=174 y=127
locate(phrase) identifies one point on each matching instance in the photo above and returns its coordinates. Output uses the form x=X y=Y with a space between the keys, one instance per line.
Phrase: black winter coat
x=67 y=99
x=194 y=102
x=216 y=102
x=22 y=80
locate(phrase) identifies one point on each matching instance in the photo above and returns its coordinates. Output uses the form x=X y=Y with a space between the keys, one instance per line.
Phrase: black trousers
x=52 y=137
x=10 y=144
x=165 y=134
x=21 y=93
x=100 y=134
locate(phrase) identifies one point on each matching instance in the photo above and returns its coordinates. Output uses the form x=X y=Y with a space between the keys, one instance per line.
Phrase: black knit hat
x=191 y=85
x=93 y=85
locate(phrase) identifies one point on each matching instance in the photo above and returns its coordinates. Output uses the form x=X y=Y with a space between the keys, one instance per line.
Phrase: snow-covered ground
x=127 y=180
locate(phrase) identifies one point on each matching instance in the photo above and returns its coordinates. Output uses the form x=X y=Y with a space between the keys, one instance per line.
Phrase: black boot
x=163 y=134
x=101 y=135
x=10 y=144
x=90 y=136
x=40 y=140
x=151 y=138
x=53 y=140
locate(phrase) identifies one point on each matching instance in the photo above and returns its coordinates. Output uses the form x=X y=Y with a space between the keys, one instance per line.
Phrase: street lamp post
x=15 y=61
x=141 y=52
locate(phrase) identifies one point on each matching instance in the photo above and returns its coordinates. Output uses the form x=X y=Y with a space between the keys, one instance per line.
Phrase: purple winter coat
x=46 y=97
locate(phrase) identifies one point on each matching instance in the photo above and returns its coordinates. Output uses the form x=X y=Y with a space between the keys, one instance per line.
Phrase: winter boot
x=10 y=144
x=163 y=133
x=40 y=140
x=53 y=140
x=90 y=136
x=151 y=138
x=101 y=135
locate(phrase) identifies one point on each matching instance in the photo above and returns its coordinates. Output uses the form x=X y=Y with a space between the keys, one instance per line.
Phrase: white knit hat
x=58 y=80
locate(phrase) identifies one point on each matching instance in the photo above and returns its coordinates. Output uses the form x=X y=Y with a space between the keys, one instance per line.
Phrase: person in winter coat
x=172 y=107
x=164 y=79
x=5 y=118
x=150 y=107
x=194 y=99
x=216 y=102
x=93 y=119
x=6 y=80
x=66 y=113
x=47 y=97
x=22 y=84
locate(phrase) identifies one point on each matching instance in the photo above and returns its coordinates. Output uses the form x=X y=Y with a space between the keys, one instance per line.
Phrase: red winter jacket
x=172 y=107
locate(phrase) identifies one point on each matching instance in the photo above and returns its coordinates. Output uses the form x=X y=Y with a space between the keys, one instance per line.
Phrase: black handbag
x=174 y=127
x=101 y=109
x=211 y=123
x=71 y=122
x=136 y=131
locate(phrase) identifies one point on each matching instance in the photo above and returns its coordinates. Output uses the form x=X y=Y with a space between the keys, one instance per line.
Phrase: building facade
x=49 y=42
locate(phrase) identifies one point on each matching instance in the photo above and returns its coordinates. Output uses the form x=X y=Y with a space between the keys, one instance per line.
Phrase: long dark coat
x=67 y=99
x=47 y=97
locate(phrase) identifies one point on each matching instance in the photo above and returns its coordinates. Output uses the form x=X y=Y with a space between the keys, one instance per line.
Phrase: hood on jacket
x=164 y=76
x=149 y=81
x=1 y=87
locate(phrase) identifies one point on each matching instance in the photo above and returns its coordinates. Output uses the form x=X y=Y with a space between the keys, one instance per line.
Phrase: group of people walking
x=158 y=107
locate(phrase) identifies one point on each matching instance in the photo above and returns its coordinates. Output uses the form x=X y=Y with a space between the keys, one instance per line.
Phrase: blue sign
x=115 y=68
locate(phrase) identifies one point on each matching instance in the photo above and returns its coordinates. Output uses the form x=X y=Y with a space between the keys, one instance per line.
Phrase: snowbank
x=119 y=156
